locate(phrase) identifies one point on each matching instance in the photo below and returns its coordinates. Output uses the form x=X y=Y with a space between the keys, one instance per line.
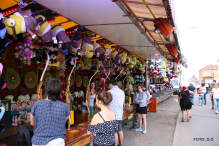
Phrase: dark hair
x=214 y=80
x=138 y=82
x=53 y=88
x=105 y=97
x=203 y=84
x=95 y=85
x=113 y=82
x=141 y=88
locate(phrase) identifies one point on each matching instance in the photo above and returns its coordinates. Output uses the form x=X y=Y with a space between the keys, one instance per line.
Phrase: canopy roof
x=117 y=23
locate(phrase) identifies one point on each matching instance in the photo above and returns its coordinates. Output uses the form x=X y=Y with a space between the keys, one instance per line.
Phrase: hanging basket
x=12 y=78
x=31 y=79
x=46 y=75
x=71 y=79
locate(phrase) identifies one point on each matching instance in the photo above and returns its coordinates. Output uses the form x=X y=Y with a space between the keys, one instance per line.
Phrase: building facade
x=209 y=73
x=193 y=80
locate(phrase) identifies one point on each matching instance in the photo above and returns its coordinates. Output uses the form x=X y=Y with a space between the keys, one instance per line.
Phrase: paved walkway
x=160 y=126
x=204 y=124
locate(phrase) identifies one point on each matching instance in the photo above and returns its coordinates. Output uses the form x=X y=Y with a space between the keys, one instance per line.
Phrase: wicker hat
x=12 y=78
x=78 y=81
x=31 y=79
x=71 y=80
x=46 y=75
x=85 y=81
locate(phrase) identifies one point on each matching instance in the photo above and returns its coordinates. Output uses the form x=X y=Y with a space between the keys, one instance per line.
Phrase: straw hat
x=46 y=75
x=85 y=81
x=31 y=79
x=71 y=79
x=78 y=81
x=12 y=78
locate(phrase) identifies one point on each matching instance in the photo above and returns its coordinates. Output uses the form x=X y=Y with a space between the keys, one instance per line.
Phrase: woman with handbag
x=201 y=92
x=185 y=103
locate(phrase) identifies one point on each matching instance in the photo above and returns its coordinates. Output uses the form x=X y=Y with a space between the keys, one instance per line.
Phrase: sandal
x=183 y=120
x=188 y=120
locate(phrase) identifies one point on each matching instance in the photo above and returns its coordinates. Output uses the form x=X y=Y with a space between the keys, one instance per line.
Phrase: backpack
x=24 y=136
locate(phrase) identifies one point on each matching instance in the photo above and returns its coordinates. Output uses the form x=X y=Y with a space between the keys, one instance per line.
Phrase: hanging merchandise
x=98 y=51
x=3 y=41
x=12 y=78
x=20 y=22
x=31 y=79
x=115 y=56
x=76 y=43
x=44 y=30
x=87 y=47
x=47 y=74
x=78 y=81
x=85 y=81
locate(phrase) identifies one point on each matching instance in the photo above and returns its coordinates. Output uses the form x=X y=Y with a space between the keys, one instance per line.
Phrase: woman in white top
x=84 y=103
x=201 y=96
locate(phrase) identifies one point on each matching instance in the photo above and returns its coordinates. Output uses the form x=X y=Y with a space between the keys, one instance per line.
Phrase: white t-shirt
x=216 y=93
x=203 y=91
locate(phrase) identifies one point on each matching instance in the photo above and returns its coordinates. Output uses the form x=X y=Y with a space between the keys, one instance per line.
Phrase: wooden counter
x=77 y=136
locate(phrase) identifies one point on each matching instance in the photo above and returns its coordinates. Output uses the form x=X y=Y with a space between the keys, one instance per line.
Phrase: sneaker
x=138 y=129
x=212 y=108
x=199 y=104
x=190 y=117
x=145 y=131
x=132 y=128
x=216 y=112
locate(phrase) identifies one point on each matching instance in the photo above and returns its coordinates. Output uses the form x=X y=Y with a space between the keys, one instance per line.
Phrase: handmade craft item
x=85 y=81
x=12 y=78
x=78 y=81
x=31 y=79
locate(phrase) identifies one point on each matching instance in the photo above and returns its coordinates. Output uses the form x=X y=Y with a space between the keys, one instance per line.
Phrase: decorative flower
x=29 y=79
x=13 y=80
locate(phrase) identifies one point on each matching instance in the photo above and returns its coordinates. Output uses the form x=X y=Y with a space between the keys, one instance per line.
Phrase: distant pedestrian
x=141 y=101
x=212 y=96
x=117 y=105
x=192 y=88
x=215 y=92
x=185 y=103
x=103 y=124
x=201 y=96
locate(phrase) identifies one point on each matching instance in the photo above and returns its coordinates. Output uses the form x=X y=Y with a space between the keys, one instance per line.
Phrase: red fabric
x=184 y=89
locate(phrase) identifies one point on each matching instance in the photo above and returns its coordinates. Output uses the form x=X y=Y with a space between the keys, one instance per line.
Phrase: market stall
x=43 y=39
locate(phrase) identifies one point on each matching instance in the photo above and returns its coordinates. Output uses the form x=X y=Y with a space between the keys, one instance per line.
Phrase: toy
x=21 y=102
x=87 y=47
x=14 y=105
x=3 y=41
x=76 y=43
x=53 y=55
x=124 y=58
x=20 y=22
x=45 y=31
x=98 y=51
x=116 y=56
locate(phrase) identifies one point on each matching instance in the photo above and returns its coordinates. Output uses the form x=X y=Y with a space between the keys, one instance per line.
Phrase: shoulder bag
x=199 y=91
x=189 y=98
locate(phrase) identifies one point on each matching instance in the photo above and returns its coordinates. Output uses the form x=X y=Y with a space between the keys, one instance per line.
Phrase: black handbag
x=189 y=99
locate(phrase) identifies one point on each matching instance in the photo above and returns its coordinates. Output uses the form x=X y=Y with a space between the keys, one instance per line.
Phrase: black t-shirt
x=191 y=88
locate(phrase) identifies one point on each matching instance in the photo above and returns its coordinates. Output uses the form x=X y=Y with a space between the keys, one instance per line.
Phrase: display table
x=159 y=97
x=77 y=135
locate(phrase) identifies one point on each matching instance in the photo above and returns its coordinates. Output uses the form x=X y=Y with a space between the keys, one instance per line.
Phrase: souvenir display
x=12 y=78
x=31 y=79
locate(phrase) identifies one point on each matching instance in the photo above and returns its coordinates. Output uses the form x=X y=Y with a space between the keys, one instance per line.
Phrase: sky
x=197 y=23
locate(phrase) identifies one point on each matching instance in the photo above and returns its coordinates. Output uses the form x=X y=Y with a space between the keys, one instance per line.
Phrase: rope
x=149 y=9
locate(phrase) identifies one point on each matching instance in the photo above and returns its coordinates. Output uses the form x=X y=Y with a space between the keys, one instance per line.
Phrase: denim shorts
x=83 y=108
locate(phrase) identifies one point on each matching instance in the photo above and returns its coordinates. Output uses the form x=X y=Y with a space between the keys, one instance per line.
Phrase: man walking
x=192 y=88
x=212 y=96
x=117 y=105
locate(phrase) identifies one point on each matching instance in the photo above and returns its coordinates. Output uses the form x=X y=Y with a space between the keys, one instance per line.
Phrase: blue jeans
x=205 y=98
x=201 y=98
x=192 y=99
x=216 y=103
